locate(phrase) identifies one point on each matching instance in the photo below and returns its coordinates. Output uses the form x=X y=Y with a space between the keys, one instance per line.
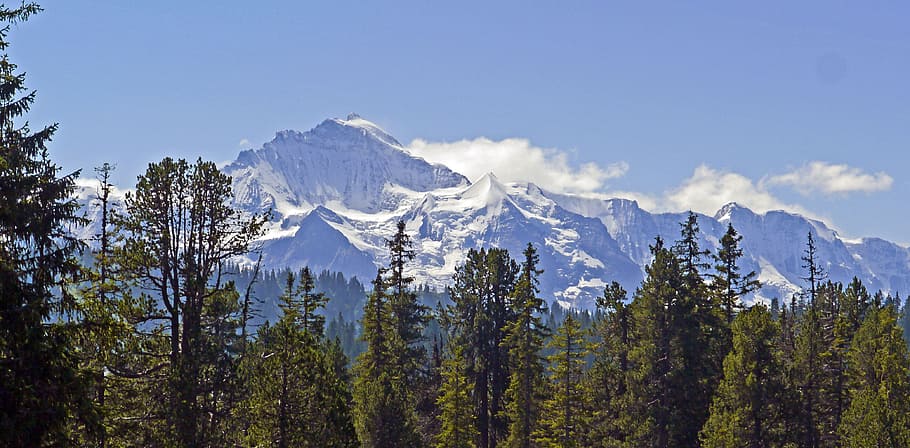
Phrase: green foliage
x=564 y=418
x=408 y=317
x=728 y=285
x=525 y=336
x=456 y=408
x=381 y=409
x=42 y=386
x=746 y=408
x=179 y=233
x=297 y=392
x=605 y=381
x=879 y=378
x=476 y=322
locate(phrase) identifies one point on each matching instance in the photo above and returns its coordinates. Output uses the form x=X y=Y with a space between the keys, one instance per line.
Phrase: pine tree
x=564 y=418
x=728 y=285
x=408 y=315
x=42 y=388
x=297 y=397
x=879 y=376
x=810 y=343
x=655 y=353
x=456 y=408
x=179 y=233
x=310 y=302
x=746 y=408
x=524 y=338
x=383 y=411
x=477 y=321
x=702 y=335
x=100 y=327
x=606 y=379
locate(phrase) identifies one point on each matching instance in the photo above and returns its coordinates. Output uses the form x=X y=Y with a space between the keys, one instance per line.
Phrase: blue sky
x=796 y=105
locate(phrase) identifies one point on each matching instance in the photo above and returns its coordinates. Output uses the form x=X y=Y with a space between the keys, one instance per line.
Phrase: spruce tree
x=701 y=332
x=654 y=354
x=564 y=418
x=746 y=411
x=456 y=407
x=477 y=320
x=383 y=409
x=605 y=381
x=297 y=397
x=809 y=344
x=879 y=378
x=102 y=327
x=408 y=316
x=728 y=284
x=41 y=385
x=311 y=301
x=524 y=338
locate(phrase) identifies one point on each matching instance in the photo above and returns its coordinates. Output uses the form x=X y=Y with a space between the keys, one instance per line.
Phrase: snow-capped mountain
x=351 y=163
x=337 y=191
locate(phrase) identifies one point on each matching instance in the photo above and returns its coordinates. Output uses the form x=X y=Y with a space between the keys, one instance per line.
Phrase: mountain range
x=337 y=191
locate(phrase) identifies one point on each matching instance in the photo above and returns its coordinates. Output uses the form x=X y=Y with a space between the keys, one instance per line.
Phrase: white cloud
x=830 y=178
x=244 y=143
x=709 y=189
x=706 y=191
x=516 y=159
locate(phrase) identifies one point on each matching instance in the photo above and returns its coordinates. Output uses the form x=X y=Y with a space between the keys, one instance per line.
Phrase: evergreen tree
x=655 y=353
x=477 y=320
x=606 y=379
x=564 y=417
x=311 y=301
x=101 y=328
x=383 y=411
x=524 y=338
x=728 y=285
x=879 y=376
x=41 y=385
x=408 y=316
x=701 y=334
x=746 y=409
x=456 y=408
x=809 y=344
x=297 y=397
x=179 y=233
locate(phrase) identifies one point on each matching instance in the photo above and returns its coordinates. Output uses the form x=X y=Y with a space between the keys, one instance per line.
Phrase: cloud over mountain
x=516 y=159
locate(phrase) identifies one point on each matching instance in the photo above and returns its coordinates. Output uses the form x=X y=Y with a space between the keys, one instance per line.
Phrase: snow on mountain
x=351 y=161
x=338 y=190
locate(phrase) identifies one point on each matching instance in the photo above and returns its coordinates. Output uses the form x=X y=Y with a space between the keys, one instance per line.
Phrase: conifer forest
x=151 y=335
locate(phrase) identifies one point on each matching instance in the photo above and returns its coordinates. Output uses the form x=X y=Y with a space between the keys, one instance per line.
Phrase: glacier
x=337 y=191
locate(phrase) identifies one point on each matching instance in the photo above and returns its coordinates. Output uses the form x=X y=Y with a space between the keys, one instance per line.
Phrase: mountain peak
x=354 y=126
x=726 y=212
x=488 y=189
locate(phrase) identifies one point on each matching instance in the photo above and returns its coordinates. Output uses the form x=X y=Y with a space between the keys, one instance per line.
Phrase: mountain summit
x=338 y=190
x=352 y=163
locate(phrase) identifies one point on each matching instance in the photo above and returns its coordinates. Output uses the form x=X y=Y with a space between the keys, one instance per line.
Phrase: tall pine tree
x=879 y=378
x=41 y=384
x=179 y=233
x=606 y=378
x=524 y=338
x=746 y=411
x=564 y=418
x=456 y=408
x=478 y=317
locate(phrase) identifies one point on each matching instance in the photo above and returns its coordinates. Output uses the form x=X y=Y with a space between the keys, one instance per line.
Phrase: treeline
x=152 y=344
